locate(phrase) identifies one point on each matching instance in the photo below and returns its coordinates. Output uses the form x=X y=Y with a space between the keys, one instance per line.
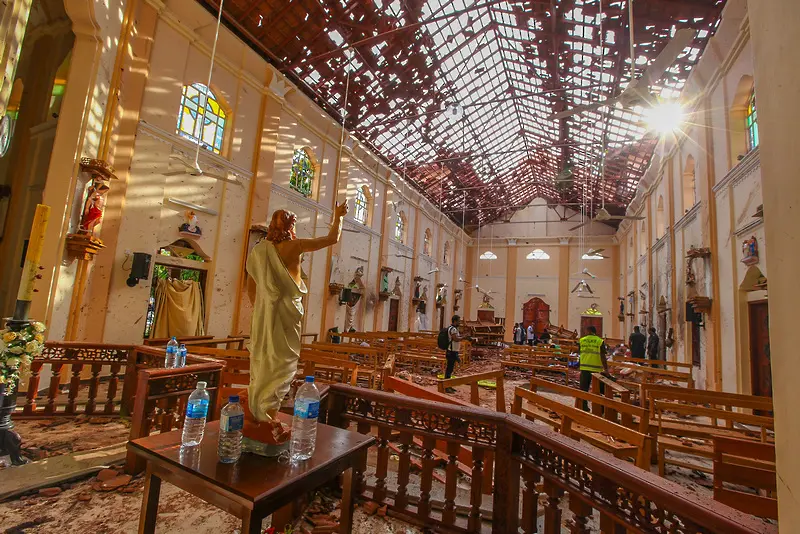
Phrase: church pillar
x=773 y=29
x=511 y=289
x=563 y=284
x=471 y=277
x=615 y=280
x=415 y=254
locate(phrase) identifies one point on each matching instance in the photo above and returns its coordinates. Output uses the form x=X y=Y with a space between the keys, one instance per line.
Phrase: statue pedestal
x=265 y=438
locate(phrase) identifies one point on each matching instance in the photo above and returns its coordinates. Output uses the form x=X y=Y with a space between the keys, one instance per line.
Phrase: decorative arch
x=661 y=225
x=210 y=133
x=740 y=144
x=362 y=203
x=304 y=171
x=427 y=242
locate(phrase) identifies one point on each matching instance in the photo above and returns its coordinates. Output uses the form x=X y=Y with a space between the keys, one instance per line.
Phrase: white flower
x=16 y=350
x=39 y=327
x=32 y=347
x=13 y=362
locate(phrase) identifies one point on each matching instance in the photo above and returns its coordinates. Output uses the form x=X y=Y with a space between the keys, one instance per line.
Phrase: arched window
x=537 y=254
x=661 y=226
x=751 y=122
x=400 y=227
x=689 y=190
x=446 y=255
x=426 y=244
x=488 y=255
x=303 y=169
x=362 y=204
x=195 y=98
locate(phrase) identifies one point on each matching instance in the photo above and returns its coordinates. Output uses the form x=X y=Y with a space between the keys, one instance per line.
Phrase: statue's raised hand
x=341 y=209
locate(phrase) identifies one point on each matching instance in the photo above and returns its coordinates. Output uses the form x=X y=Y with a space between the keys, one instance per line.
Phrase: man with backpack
x=449 y=340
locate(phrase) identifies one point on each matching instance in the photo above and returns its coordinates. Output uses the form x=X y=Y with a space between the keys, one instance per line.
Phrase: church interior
x=516 y=177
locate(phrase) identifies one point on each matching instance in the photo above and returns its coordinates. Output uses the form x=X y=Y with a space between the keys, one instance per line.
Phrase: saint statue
x=276 y=289
x=93 y=206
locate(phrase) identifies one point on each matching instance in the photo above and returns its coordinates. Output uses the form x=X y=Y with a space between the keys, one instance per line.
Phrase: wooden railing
x=603 y=493
x=88 y=366
x=161 y=396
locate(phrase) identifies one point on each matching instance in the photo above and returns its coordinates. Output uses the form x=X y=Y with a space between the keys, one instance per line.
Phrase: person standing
x=652 y=344
x=517 y=334
x=637 y=342
x=453 y=349
x=592 y=352
x=531 y=335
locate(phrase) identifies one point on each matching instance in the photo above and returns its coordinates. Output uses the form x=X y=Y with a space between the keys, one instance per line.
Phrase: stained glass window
x=751 y=123
x=400 y=227
x=302 y=177
x=194 y=99
x=361 y=206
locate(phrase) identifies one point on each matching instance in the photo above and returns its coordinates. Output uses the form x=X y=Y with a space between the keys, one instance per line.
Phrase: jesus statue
x=276 y=289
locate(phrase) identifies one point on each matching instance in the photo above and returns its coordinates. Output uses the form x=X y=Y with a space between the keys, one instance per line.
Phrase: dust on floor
x=45 y=438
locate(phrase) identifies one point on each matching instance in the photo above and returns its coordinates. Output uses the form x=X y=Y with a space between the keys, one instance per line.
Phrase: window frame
x=751 y=122
x=219 y=118
x=306 y=187
x=361 y=205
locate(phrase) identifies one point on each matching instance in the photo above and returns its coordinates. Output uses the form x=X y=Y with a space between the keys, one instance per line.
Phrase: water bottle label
x=306 y=410
x=197 y=409
x=231 y=423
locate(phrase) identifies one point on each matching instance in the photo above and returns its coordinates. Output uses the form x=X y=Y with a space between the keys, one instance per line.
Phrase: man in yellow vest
x=592 y=350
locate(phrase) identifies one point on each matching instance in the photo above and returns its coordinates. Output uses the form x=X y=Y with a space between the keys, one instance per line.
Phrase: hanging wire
x=208 y=87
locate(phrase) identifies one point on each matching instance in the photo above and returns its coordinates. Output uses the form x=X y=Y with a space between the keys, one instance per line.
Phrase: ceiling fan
x=585 y=272
x=602 y=215
x=638 y=90
x=582 y=286
x=596 y=253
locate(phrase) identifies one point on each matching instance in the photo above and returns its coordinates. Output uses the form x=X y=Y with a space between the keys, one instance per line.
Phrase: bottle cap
x=233 y=398
x=201 y=385
x=310 y=379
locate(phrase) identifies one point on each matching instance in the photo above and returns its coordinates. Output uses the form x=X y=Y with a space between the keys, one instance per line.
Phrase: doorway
x=394 y=308
x=587 y=321
x=760 y=364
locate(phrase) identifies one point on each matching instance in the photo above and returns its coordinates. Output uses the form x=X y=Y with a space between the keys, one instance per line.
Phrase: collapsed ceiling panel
x=457 y=95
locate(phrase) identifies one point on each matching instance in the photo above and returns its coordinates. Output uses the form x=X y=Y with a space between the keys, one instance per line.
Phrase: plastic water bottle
x=231 y=423
x=180 y=361
x=304 y=424
x=172 y=353
x=196 y=411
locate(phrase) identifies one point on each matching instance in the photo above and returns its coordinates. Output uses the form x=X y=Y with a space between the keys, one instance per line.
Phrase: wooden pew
x=162 y=341
x=619 y=440
x=749 y=464
x=537 y=369
x=369 y=359
x=472 y=381
x=643 y=361
x=651 y=374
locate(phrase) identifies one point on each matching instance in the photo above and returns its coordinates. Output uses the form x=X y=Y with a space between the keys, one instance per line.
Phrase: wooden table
x=254 y=487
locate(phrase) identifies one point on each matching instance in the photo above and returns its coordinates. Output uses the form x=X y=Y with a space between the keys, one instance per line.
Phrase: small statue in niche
x=397 y=291
x=384 y=281
x=691 y=279
x=441 y=296
x=750 y=251
x=621 y=315
x=670 y=340
x=456 y=298
x=416 y=290
x=357 y=281
x=190 y=226
x=94 y=205
x=424 y=295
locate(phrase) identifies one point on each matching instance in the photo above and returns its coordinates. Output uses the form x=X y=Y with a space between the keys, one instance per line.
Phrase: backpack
x=443 y=341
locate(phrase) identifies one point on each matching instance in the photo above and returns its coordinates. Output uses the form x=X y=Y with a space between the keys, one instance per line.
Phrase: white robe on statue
x=274 y=330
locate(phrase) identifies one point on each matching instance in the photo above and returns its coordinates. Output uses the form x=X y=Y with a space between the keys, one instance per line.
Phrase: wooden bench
x=649 y=375
x=621 y=441
x=695 y=438
x=643 y=361
x=369 y=359
x=537 y=369
x=749 y=464
x=472 y=381
x=162 y=341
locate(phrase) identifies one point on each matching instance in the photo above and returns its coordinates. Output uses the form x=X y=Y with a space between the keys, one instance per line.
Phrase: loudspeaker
x=691 y=315
x=140 y=268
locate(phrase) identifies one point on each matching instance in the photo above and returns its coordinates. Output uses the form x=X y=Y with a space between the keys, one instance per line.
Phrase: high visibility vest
x=590 y=354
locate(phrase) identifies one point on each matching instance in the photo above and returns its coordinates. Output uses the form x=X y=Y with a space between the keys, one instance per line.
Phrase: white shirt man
x=531 y=335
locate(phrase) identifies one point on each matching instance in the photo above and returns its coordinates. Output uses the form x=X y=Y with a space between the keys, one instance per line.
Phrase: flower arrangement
x=18 y=348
